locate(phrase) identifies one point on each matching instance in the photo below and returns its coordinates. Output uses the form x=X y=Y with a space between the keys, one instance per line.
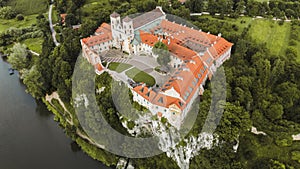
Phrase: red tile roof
x=99 y=67
x=174 y=48
x=63 y=17
x=145 y=92
x=103 y=34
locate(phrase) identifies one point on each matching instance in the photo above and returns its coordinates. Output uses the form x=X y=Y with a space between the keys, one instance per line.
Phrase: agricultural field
x=29 y=7
x=6 y=24
x=275 y=36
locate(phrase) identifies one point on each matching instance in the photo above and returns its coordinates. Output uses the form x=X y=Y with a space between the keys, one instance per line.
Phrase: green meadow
x=275 y=36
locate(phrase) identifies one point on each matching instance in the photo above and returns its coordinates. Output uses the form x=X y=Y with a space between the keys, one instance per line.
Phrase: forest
x=263 y=86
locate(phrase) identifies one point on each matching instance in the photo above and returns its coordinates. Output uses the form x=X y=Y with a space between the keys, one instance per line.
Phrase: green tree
x=32 y=80
x=7 y=12
x=274 y=112
x=162 y=51
x=296 y=155
x=195 y=5
x=20 y=57
x=235 y=121
x=71 y=20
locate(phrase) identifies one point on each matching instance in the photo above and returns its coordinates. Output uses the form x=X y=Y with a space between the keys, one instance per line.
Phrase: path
x=51 y=25
x=241 y=15
x=33 y=52
x=55 y=95
x=254 y=131
x=296 y=137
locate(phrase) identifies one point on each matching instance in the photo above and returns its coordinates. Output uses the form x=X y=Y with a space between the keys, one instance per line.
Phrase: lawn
x=140 y=76
x=95 y=5
x=29 y=7
x=34 y=44
x=118 y=67
x=247 y=20
x=275 y=36
x=6 y=24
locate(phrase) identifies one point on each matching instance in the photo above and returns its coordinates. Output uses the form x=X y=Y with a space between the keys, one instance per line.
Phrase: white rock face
x=169 y=138
x=79 y=99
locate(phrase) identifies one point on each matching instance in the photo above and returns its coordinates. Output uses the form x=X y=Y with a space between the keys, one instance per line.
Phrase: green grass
x=34 y=44
x=140 y=76
x=262 y=0
x=275 y=36
x=29 y=7
x=238 y=22
x=298 y=47
x=6 y=24
x=118 y=67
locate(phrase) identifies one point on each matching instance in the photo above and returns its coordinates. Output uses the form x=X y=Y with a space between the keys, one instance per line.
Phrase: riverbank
x=73 y=130
x=29 y=135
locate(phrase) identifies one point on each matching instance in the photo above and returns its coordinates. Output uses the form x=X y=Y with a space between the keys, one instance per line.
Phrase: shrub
x=20 y=17
x=7 y=12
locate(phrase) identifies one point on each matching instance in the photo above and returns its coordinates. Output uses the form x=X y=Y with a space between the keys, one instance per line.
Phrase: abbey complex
x=194 y=55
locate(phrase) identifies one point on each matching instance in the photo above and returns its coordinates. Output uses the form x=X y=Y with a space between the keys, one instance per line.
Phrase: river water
x=29 y=137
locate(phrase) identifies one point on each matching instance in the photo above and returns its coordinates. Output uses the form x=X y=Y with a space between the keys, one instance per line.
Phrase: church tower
x=116 y=29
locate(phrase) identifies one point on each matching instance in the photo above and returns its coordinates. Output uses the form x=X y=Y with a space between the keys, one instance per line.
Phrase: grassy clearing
x=241 y=22
x=118 y=67
x=275 y=36
x=34 y=44
x=29 y=7
x=94 y=5
x=6 y=24
x=140 y=76
x=263 y=0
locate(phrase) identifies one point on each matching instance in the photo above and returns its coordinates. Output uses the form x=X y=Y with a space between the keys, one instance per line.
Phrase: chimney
x=200 y=30
x=179 y=78
x=208 y=32
x=169 y=41
x=219 y=35
x=192 y=61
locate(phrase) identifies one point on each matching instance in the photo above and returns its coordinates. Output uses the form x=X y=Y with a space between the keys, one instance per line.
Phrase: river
x=29 y=137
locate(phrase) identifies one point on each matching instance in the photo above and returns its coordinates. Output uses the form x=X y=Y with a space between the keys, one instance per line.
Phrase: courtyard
x=139 y=68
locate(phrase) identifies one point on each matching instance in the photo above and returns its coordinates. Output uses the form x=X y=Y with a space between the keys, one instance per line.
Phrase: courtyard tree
x=162 y=51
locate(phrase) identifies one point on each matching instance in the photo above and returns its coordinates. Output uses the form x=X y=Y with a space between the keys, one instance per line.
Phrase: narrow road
x=51 y=25
x=241 y=15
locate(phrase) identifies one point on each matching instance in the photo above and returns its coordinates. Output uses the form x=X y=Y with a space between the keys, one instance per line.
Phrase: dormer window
x=160 y=100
